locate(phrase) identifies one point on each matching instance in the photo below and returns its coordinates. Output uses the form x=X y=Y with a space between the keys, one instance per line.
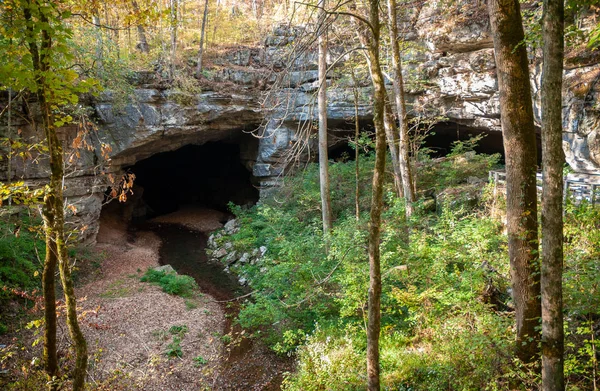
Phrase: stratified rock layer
x=450 y=72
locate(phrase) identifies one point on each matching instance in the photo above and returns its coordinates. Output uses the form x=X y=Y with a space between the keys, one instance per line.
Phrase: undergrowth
x=447 y=313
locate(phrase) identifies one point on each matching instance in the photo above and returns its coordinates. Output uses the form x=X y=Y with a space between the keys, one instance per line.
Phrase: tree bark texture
x=552 y=197
x=202 y=34
x=374 y=299
x=322 y=103
x=400 y=99
x=521 y=158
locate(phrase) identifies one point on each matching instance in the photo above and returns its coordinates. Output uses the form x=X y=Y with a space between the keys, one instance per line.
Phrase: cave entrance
x=210 y=175
x=442 y=135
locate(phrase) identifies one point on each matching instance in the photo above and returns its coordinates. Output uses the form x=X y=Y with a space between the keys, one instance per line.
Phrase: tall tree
x=379 y=97
x=53 y=87
x=519 y=140
x=552 y=197
x=400 y=100
x=202 y=34
x=322 y=103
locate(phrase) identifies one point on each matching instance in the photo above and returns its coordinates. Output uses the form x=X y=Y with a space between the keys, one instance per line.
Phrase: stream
x=247 y=363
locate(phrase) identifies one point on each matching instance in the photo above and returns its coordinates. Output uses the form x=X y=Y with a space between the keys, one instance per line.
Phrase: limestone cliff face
x=449 y=68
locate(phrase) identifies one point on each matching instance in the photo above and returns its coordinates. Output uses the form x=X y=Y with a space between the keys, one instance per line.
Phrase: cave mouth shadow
x=210 y=175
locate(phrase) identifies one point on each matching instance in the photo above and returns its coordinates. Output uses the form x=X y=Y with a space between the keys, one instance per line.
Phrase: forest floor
x=131 y=325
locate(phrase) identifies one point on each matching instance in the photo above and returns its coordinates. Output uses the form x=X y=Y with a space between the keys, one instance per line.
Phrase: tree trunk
x=49 y=354
x=374 y=300
x=398 y=83
x=392 y=140
x=173 y=28
x=57 y=232
x=143 y=42
x=552 y=197
x=521 y=158
x=390 y=131
x=322 y=102
x=202 y=33
x=356 y=148
x=216 y=22
x=77 y=336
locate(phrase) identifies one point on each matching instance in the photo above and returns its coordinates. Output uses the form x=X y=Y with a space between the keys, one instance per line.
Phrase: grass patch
x=118 y=288
x=171 y=283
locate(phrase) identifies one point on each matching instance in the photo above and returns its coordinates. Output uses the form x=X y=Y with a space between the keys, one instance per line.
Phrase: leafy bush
x=171 y=283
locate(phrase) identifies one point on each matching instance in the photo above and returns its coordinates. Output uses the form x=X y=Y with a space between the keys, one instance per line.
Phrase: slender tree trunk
x=173 y=28
x=57 y=232
x=521 y=159
x=374 y=300
x=322 y=102
x=9 y=137
x=392 y=140
x=202 y=33
x=356 y=148
x=552 y=197
x=143 y=42
x=81 y=356
x=49 y=354
x=390 y=131
x=216 y=22
x=398 y=83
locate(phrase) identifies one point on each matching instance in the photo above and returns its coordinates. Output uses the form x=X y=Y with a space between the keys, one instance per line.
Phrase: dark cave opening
x=209 y=175
x=438 y=140
x=441 y=137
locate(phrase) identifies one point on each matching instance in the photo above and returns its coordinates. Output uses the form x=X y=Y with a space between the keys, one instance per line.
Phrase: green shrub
x=21 y=253
x=171 y=283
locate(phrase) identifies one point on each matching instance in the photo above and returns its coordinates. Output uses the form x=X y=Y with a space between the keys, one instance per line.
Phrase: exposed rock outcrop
x=449 y=68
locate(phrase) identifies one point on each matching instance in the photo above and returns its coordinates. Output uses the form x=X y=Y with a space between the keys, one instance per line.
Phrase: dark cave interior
x=210 y=175
x=439 y=140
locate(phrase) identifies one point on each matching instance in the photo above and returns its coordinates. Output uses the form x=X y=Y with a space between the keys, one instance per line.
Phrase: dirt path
x=128 y=323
